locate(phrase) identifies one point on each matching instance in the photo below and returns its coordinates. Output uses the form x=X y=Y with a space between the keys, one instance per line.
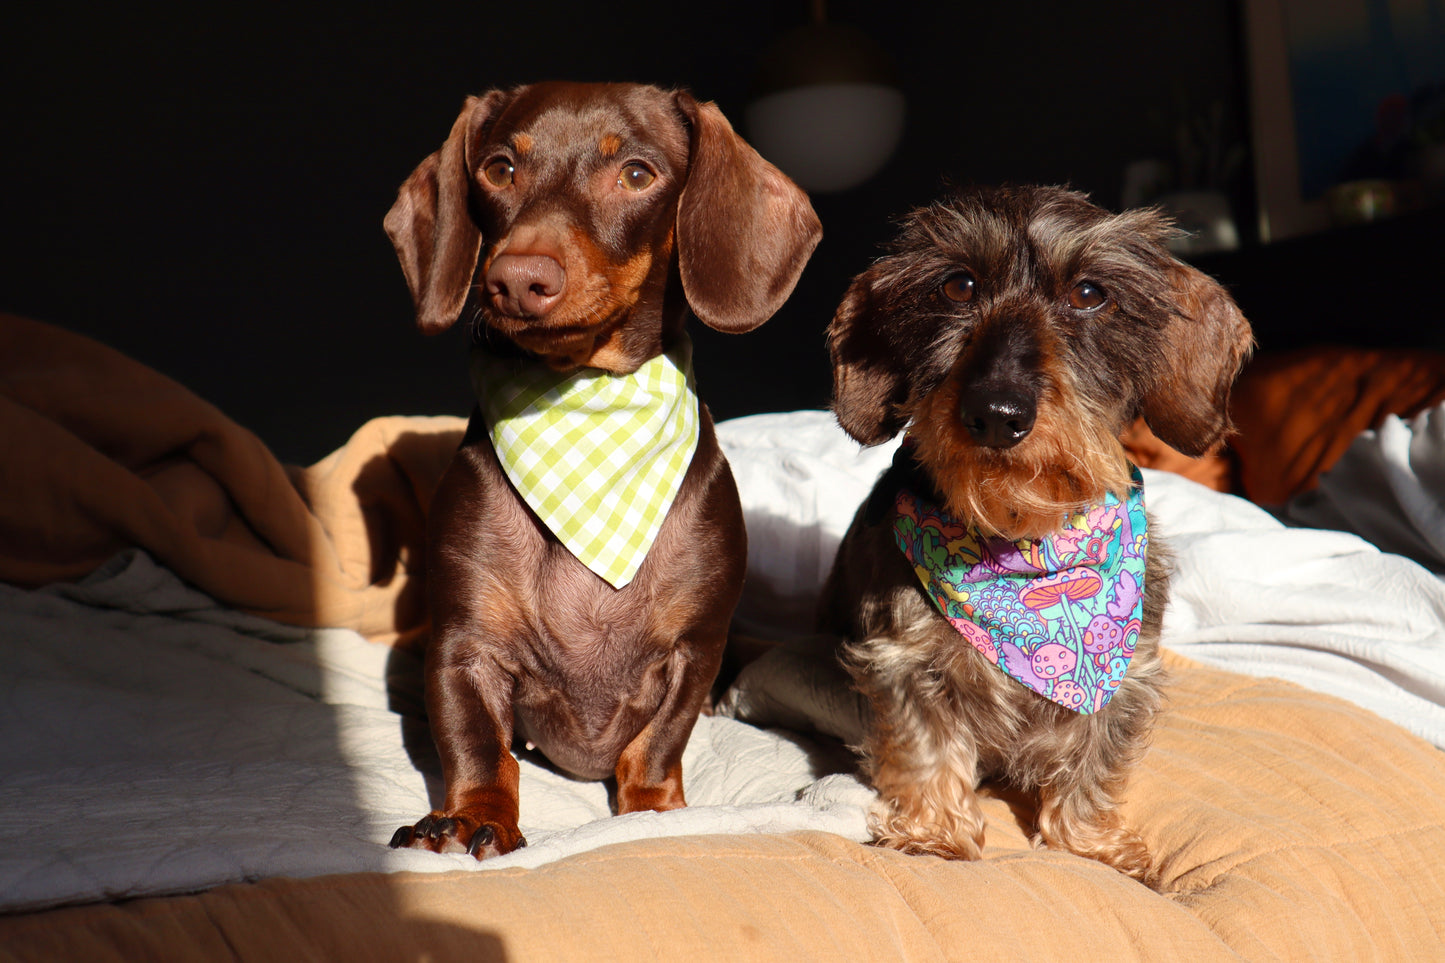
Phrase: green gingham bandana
x=599 y=457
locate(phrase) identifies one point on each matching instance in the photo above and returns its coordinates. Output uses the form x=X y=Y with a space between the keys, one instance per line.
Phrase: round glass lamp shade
x=827 y=136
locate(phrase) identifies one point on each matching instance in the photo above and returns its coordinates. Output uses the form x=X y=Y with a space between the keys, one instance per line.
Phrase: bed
x=210 y=716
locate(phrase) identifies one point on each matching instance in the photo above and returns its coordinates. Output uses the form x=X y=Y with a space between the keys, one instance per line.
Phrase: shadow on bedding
x=195 y=637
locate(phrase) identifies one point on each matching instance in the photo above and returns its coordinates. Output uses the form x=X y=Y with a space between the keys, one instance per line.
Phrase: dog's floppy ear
x=431 y=227
x=744 y=230
x=869 y=387
x=1207 y=342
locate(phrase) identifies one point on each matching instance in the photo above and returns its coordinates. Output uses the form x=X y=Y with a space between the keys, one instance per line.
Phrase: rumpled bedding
x=1299 y=411
x=177 y=719
x=154 y=742
x=201 y=745
x=1388 y=487
x=99 y=453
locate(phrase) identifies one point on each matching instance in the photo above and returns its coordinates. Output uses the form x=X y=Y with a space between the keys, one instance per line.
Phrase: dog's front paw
x=951 y=839
x=1111 y=844
x=459 y=833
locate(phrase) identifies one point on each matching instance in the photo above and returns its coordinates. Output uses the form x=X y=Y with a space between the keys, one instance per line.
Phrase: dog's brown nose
x=997 y=418
x=525 y=285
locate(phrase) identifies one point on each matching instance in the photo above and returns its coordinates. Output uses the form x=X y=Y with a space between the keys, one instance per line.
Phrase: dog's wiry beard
x=1026 y=491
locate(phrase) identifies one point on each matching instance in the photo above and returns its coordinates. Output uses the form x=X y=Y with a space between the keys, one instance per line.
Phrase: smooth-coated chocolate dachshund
x=574 y=225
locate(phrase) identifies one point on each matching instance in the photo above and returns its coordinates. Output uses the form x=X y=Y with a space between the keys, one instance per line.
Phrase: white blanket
x=1388 y=487
x=153 y=742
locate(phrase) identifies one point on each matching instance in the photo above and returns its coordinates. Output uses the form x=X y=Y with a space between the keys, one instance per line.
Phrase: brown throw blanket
x=99 y=452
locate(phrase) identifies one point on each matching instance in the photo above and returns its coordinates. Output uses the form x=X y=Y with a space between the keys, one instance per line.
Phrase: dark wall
x=204 y=189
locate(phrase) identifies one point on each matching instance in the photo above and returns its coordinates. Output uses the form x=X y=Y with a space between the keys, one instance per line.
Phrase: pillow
x=1296 y=412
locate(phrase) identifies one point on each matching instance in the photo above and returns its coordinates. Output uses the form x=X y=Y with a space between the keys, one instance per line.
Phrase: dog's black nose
x=997 y=419
x=525 y=285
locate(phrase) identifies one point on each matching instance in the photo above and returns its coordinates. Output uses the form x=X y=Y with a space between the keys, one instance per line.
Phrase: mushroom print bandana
x=1060 y=614
x=599 y=457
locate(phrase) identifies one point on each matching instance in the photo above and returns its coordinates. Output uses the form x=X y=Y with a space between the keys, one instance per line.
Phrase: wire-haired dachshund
x=1000 y=590
x=574 y=225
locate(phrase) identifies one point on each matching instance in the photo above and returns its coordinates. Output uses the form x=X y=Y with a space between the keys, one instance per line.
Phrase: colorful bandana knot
x=599 y=457
x=1061 y=614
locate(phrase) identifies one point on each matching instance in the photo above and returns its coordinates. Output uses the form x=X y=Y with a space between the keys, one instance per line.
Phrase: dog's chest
x=583 y=699
x=577 y=639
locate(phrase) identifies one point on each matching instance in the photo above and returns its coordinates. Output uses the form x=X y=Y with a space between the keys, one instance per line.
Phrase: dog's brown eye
x=635 y=177
x=1085 y=296
x=499 y=172
x=959 y=288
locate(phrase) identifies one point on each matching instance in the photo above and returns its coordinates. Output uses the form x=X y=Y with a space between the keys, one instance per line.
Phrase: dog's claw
x=431 y=828
x=480 y=839
x=495 y=839
x=436 y=827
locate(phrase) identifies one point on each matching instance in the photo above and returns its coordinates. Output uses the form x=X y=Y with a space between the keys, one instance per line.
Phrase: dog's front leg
x=649 y=771
x=1084 y=820
x=927 y=798
x=469 y=705
x=1079 y=803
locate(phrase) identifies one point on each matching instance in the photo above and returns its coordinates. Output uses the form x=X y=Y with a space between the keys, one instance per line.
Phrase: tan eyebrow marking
x=523 y=143
x=610 y=145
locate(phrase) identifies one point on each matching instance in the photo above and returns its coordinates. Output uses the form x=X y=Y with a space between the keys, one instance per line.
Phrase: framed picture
x=1347 y=105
